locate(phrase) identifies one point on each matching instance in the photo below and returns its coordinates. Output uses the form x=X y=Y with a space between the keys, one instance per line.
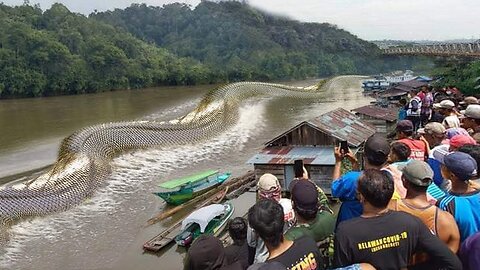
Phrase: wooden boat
x=186 y=188
x=210 y=219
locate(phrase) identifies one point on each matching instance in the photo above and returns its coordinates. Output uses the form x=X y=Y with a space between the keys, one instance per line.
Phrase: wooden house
x=312 y=141
x=384 y=119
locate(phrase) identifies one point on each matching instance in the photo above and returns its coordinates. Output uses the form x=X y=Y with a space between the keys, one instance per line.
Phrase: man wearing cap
x=446 y=108
x=468 y=101
x=418 y=148
x=463 y=200
x=434 y=134
x=417 y=176
x=311 y=221
x=268 y=187
x=344 y=187
x=386 y=239
x=471 y=119
x=460 y=140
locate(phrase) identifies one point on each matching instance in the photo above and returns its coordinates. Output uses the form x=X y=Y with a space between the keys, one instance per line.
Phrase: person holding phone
x=301 y=174
x=344 y=187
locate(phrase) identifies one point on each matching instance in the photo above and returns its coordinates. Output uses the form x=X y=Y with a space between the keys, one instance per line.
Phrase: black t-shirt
x=235 y=253
x=303 y=254
x=388 y=241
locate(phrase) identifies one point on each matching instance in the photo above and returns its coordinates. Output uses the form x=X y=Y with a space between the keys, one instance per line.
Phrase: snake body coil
x=84 y=157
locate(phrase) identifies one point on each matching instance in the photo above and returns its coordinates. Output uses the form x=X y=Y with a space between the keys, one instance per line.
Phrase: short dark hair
x=237 y=229
x=419 y=189
x=401 y=150
x=266 y=218
x=376 y=186
x=474 y=152
x=402 y=101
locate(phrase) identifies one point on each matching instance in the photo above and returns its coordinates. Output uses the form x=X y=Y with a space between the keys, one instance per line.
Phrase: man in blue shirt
x=344 y=187
x=463 y=200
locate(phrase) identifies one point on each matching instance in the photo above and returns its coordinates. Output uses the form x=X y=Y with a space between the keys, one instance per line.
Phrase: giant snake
x=84 y=157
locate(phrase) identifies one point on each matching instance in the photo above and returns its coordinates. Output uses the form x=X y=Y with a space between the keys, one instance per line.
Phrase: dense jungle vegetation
x=57 y=52
x=462 y=73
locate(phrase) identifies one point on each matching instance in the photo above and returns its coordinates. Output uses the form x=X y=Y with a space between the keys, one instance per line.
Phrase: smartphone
x=298 y=168
x=344 y=147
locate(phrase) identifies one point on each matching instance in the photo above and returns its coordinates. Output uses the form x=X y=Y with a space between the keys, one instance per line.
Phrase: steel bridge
x=440 y=49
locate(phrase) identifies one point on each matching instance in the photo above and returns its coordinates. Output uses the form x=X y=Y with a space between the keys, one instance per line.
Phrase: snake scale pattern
x=83 y=162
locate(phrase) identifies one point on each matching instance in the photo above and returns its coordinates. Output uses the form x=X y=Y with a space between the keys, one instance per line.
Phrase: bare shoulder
x=445 y=218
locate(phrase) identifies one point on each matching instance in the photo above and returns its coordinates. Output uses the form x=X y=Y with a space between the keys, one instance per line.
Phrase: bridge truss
x=446 y=49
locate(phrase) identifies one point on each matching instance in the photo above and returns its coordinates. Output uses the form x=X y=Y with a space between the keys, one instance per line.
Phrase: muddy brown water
x=108 y=230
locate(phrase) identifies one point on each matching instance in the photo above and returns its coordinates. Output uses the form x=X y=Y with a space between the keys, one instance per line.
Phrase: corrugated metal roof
x=310 y=155
x=344 y=126
x=413 y=83
x=377 y=112
x=403 y=88
x=392 y=93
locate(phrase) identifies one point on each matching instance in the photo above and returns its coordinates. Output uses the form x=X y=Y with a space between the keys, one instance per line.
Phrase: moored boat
x=186 y=188
x=210 y=219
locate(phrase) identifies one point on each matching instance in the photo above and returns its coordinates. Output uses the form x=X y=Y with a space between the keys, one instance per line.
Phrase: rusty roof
x=404 y=88
x=387 y=114
x=392 y=93
x=340 y=124
x=413 y=83
x=282 y=155
x=344 y=126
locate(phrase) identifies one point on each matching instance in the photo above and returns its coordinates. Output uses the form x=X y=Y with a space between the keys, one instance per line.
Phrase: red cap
x=460 y=140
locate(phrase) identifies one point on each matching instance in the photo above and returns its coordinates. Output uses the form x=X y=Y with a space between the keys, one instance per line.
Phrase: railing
x=446 y=49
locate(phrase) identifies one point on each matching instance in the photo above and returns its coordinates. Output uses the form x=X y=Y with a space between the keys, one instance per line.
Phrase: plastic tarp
x=204 y=215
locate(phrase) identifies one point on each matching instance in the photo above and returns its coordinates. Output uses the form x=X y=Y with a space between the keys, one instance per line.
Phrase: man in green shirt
x=312 y=222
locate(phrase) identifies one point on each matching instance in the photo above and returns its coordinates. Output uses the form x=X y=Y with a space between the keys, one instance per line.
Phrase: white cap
x=444 y=104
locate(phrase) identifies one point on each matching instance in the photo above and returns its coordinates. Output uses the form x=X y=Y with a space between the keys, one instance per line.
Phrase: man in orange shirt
x=417 y=176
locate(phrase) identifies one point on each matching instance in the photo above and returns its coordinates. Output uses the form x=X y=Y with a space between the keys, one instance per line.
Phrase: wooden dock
x=230 y=188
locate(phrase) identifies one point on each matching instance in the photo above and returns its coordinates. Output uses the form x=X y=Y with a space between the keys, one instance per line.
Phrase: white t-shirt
x=451 y=121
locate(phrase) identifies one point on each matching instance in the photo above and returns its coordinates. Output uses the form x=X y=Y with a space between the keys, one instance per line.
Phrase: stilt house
x=312 y=141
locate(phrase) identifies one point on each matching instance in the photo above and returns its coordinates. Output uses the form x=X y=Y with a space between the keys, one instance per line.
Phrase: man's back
x=319 y=229
x=439 y=222
x=418 y=148
x=303 y=254
x=345 y=188
x=465 y=209
x=387 y=241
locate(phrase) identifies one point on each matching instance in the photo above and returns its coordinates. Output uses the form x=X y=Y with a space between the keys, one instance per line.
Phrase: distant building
x=384 y=119
x=313 y=142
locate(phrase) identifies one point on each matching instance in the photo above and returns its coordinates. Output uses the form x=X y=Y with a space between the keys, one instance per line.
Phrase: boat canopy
x=187 y=180
x=204 y=215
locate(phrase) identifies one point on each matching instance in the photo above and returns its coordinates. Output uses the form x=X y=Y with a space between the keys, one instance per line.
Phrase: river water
x=107 y=231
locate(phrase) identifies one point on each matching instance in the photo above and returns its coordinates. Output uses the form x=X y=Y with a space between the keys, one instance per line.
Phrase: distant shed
x=414 y=84
x=384 y=119
x=313 y=142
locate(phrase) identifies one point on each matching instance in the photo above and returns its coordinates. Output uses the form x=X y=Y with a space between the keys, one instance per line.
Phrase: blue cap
x=462 y=165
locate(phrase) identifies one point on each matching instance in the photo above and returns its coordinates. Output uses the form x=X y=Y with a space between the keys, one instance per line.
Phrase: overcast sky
x=368 y=19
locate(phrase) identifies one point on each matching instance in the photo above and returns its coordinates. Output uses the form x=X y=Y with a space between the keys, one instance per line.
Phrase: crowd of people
x=409 y=202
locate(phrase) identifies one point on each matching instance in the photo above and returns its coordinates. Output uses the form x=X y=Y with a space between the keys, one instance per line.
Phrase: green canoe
x=191 y=186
